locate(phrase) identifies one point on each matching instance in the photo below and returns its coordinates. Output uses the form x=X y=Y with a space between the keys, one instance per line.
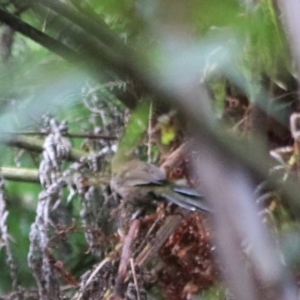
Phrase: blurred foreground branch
x=38 y=36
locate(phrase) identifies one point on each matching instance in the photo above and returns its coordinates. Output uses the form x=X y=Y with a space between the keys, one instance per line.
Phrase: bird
x=141 y=183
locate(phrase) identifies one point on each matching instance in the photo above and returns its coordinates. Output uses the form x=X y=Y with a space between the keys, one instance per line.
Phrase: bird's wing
x=144 y=174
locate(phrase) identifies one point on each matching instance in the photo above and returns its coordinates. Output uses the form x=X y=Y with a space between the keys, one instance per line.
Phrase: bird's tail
x=187 y=198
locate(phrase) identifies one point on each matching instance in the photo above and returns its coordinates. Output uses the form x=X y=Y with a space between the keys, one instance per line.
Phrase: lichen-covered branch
x=35 y=145
x=5 y=237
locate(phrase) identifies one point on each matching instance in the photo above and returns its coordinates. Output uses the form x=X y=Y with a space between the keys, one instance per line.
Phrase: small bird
x=138 y=182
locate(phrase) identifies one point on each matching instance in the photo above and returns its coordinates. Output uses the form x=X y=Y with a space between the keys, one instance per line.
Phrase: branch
x=35 y=145
x=38 y=36
x=290 y=21
x=88 y=11
x=20 y=174
x=32 y=175
x=107 y=47
x=169 y=226
x=69 y=135
x=94 y=56
x=84 y=60
x=101 y=32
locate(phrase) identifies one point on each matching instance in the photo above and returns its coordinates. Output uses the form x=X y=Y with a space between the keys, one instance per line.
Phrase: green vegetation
x=206 y=89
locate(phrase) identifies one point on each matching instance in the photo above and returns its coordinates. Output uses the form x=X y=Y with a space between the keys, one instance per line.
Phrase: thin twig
x=145 y=239
x=134 y=278
x=94 y=273
x=149 y=133
x=126 y=253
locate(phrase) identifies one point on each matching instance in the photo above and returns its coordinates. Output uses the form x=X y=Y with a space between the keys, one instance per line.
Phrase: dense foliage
x=206 y=89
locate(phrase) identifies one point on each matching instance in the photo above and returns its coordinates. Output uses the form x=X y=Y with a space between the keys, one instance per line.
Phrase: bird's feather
x=184 y=190
x=135 y=173
x=139 y=182
x=191 y=203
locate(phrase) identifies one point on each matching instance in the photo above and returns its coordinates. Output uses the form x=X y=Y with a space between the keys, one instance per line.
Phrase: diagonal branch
x=38 y=36
x=95 y=55
x=101 y=32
